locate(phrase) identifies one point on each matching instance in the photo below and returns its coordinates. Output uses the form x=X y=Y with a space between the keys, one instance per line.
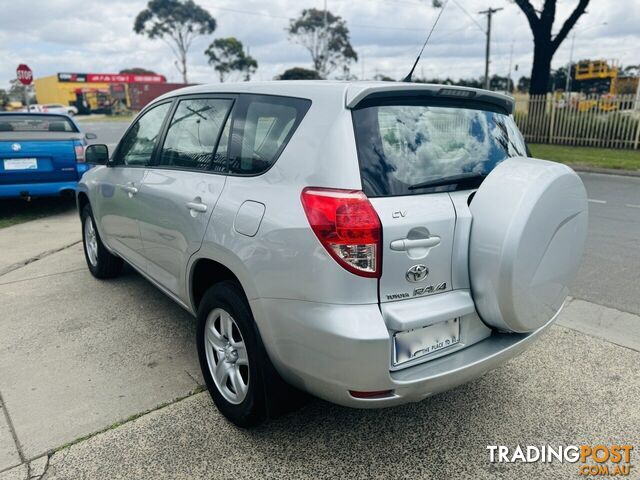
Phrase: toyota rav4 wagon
x=369 y=243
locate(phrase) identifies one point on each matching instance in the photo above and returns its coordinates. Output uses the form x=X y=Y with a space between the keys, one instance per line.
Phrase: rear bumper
x=329 y=350
x=36 y=189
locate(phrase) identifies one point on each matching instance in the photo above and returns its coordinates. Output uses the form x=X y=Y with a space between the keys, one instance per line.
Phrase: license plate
x=21 y=164
x=417 y=343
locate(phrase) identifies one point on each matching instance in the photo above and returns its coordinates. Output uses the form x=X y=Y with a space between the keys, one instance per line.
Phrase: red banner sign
x=111 y=78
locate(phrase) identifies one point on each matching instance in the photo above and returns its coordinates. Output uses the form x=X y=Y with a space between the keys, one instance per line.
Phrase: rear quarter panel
x=285 y=259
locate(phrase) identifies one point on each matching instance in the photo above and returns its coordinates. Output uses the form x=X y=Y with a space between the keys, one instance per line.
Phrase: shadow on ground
x=14 y=211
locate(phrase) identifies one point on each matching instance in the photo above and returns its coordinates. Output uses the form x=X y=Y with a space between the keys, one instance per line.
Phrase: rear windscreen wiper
x=453 y=179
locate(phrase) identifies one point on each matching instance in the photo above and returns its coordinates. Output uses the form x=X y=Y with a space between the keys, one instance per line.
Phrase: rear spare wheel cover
x=527 y=237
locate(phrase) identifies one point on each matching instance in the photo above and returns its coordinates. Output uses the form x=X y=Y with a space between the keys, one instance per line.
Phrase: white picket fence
x=590 y=121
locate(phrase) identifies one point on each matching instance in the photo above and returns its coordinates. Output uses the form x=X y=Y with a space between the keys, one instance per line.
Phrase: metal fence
x=608 y=121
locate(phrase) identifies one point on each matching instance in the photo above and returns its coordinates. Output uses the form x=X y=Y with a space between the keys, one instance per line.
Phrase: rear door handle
x=406 y=244
x=130 y=189
x=196 y=207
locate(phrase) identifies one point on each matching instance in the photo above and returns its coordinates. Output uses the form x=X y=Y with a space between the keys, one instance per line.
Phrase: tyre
x=234 y=363
x=102 y=264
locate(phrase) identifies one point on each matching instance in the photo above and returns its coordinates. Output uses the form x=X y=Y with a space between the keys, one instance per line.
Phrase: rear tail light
x=347 y=226
x=79 y=153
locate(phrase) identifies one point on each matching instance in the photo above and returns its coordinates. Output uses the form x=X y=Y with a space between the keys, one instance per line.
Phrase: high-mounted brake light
x=347 y=225
x=453 y=92
x=79 y=149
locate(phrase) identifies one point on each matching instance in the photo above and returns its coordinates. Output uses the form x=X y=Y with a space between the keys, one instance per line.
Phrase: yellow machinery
x=598 y=70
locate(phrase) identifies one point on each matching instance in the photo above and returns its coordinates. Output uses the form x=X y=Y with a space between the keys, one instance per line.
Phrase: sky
x=96 y=36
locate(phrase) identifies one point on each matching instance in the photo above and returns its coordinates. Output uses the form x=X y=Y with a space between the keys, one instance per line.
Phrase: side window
x=136 y=148
x=193 y=133
x=262 y=130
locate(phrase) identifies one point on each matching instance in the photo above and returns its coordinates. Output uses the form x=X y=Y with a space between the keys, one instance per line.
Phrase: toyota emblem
x=417 y=273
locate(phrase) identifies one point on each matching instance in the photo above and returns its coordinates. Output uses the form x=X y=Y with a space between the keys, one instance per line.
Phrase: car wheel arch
x=82 y=200
x=206 y=272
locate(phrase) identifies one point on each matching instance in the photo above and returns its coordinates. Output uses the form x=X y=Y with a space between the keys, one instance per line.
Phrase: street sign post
x=25 y=76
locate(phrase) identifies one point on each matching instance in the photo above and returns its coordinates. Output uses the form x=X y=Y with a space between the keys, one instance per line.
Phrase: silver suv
x=369 y=243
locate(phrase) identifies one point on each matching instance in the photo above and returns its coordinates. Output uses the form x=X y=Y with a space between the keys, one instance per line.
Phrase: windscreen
x=402 y=146
x=36 y=123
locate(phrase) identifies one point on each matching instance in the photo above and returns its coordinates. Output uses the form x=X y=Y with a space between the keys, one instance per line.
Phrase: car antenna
x=415 y=64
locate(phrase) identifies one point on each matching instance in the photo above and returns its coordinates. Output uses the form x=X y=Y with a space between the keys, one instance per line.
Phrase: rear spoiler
x=359 y=94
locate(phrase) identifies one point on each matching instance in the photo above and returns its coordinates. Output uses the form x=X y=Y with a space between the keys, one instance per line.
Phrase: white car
x=54 y=108
x=371 y=243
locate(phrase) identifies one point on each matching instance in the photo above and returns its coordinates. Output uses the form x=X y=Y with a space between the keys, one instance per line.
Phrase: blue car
x=41 y=154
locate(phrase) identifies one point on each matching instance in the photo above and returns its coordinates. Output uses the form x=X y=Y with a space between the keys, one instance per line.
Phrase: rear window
x=264 y=124
x=34 y=123
x=193 y=133
x=404 y=145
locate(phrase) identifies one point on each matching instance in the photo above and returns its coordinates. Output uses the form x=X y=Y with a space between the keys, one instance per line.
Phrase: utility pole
x=509 y=79
x=567 y=87
x=489 y=13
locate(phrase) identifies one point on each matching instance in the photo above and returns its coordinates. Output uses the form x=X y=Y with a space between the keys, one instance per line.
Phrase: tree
x=326 y=37
x=558 y=79
x=137 y=71
x=227 y=55
x=176 y=22
x=631 y=71
x=499 y=83
x=20 y=93
x=383 y=78
x=544 y=43
x=4 y=99
x=523 y=84
x=298 y=73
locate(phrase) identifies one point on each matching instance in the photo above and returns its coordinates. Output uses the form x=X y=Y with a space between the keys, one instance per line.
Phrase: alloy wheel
x=227 y=356
x=91 y=241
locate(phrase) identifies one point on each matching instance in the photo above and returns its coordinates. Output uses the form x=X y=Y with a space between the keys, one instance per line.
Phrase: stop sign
x=24 y=74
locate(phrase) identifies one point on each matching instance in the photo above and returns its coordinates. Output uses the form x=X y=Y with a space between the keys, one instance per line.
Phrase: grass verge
x=589 y=157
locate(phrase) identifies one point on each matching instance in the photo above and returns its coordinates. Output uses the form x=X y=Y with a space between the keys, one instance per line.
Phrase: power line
x=466 y=12
x=351 y=25
x=248 y=12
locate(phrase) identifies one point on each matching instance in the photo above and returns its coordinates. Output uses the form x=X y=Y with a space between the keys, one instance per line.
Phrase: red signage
x=24 y=74
x=111 y=78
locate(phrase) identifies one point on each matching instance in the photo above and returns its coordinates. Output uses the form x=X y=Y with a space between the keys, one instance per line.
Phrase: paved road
x=109 y=132
x=610 y=272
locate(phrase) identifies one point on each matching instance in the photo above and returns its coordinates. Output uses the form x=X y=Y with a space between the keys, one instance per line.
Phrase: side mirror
x=90 y=136
x=97 y=154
